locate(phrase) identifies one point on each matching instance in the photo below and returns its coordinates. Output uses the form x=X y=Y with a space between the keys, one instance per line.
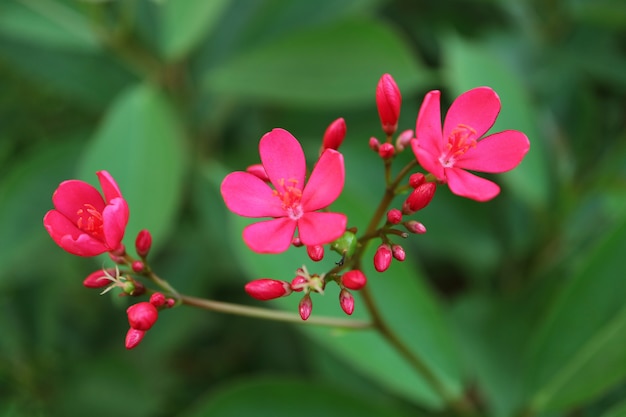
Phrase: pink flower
x=291 y=204
x=448 y=153
x=388 y=102
x=82 y=222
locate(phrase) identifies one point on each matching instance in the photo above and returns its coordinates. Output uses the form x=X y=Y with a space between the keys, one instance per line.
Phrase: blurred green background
x=517 y=304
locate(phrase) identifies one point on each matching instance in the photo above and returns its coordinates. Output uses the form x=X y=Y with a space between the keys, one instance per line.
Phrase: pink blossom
x=447 y=153
x=82 y=222
x=290 y=203
x=388 y=102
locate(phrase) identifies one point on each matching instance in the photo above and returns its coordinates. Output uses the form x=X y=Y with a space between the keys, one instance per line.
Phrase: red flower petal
x=496 y=153
x=318 y=228
x=282 y=158
x=326 y=181
x=72 y=195
x=271 y=236
x=476 y=108
x=471 y=186
x=115 y=219
x=69 y=237
x=428 y=127
x=428 y=160
x=108 y=185
x=247 y=195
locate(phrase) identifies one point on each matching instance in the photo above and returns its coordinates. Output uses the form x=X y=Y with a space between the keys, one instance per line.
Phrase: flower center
x=90 y=221
x=290 y=198
x=461 y=139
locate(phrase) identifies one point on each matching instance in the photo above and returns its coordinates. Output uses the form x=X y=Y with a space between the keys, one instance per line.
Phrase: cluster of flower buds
x=143 y=315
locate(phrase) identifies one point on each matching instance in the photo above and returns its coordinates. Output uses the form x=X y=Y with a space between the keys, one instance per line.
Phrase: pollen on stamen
x=290 y=198
x=461 y=139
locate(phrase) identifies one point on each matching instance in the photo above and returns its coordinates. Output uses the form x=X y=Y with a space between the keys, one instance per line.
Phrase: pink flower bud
x=386 y=150
x=258 y=171
x=137 y=266
x=415 y=227
x=346 y=301
x=305 y=307
x=382 y=258
x=398 y=252
x=334 y=135
x=267 y=289
x=133 y=337
x=298 y=283
x=296 y=242
x=417 y=179
x=169 y=303
x=142 y=316
x=374 y=144
x=157 y=299
x=394 y=216
x=98 y=279
x=404 y=140
x=355 y=279
x=315 y=252
x=388 y=101
x=117 y=259
x=419 y=198
x=143 y=242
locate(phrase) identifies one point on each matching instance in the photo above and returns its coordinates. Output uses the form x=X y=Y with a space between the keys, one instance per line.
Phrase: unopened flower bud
x=417 y=179
x=355 y=279
x=382 y=258
x=346 y=244
x=305 y=307
x=388 y=102
x=415 y=227
x=258 y=171
x=133 y=337
x=142 y=316
x=386 y=150
x=137 y=266
x=120 y=251
x=315 y=252
x=374 y=144
x=419 y=198
x=120 y=260
x=296 y=242
x=346 y=301
x=398 y=252
x=298 y=283
x=143 y=243
x=157 y=299
x=267 y=289
x=334 y=135
x=404 y=139
x=98 y=279
x=394 y=216
x=169 y=303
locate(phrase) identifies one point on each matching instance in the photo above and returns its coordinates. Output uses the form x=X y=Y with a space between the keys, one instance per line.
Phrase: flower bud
x=386 y=150
x=267 y=289
x=346 y=244
x=398 y=252
x=354 y=280
x=419 y=198
x=382 y=258
x=143 y=243
x=346 y=301
x=99 y=279
x=334 y=135
x=388 y=102
x=305 y=307
x=258 y=171
x=415 y=227
x=299 y=283
x=374 y=144
x=296 y=242
x=120 y=260
x=137 y=266
x=157 y=299
x=394 y=216
x=133 y=337
x=404 y=139
x=142 y=316
x=417 y=179
x=169 y=303
x=315 y=252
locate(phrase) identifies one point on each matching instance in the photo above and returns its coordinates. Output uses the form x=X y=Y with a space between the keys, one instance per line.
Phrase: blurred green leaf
x=470 y=64
x=617 y=411
x=578 y=351
x=142 y=143
x=185 y=22
x=603 y=13
x=328 y=66
x=286 y=397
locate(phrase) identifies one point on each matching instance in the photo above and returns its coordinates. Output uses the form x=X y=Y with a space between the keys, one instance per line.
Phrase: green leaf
x=468 y=65
x=578 y=351
x=324 y=66
x=185 y=22
x=617 y=411
x=283 y=397
x=141 y=142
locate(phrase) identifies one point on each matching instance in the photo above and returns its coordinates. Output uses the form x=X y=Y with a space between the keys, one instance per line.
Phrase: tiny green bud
x=345 y=245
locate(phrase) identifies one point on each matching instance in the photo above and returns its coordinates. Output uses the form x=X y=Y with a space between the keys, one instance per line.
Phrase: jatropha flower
x=447 y=153
x=82 y=222
x=290 y=203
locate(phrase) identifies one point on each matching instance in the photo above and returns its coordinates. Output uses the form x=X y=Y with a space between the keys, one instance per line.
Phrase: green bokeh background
x=518 y=304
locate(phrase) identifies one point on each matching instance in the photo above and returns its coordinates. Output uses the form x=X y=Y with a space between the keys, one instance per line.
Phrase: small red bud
x=398 y=252
x=298 y=283
x=403 y=140
x=355 y=279
x=157 y=299
x=98 y=279
x=305 y=307
x=315 y=252
x=296 y=242
x=419 y=198
x=394 y=216
x=137 y=266
x=267 y=289
x=382 y=258
x=417 y=179
x=346 y=301
x=415 y=227
x=334 y=135
x=386 y=150
x=258 y=171
x=142 y=316
x=133 y=337
x=374 y=144
x=169 y=303
x=120 y=251
x=388 y=101
x=117 y=258
x=143 y=243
